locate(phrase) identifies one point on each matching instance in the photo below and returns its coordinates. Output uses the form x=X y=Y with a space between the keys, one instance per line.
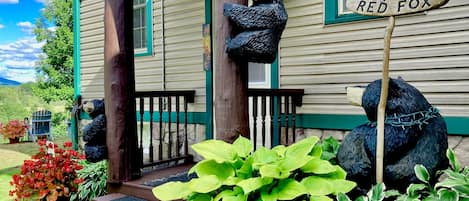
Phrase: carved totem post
x=389 y=8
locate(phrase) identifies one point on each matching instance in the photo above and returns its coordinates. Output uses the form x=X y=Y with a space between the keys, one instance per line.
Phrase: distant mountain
x=4 y=81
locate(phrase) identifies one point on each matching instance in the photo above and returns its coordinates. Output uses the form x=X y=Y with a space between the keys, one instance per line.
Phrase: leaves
x=253 y=184
x=422 y=173
x=452 y=160
x=204 y=184
x=46 y=175
x=172 y=191
x=55 y=78
x=301 y=148
x=377 y=192
x=95 y=181
x=234 y=173
x=217 y=150
x=318 y=166
x=273 y=171
x=243 y=146
x=263 y=156
x=289 y=189
x=446 y=195
x=210 y=167
x=317 y=186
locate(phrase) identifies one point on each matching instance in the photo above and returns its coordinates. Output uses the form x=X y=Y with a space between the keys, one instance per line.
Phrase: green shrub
x=233 y=172
x=454 y=186
x=330 y=147
x=94 y=185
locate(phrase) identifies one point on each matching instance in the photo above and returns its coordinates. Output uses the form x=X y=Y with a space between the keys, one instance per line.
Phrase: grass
x=12 y=156
x=30 y=148
x=5 y=178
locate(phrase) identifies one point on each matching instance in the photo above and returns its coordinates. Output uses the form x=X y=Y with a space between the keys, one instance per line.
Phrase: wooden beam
x=119 y=90
x=231 y=83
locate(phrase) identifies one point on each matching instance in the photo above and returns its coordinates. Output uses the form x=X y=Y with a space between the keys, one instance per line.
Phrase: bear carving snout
x=355 y=94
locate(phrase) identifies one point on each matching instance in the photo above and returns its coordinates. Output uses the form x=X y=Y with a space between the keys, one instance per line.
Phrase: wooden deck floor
x=137 y=189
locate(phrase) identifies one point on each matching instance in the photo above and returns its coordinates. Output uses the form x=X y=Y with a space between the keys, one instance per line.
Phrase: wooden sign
x=207 y=45
x=392 y=7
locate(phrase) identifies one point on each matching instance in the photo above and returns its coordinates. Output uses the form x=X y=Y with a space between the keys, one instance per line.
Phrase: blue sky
x=19 y=50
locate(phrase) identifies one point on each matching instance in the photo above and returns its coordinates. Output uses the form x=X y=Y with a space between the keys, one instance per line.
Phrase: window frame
x=332 y=15
x=268 y=78
x=149 y=31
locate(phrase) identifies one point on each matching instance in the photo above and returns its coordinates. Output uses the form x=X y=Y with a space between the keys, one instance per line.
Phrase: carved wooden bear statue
x=415 y=133
x=94 y=134
x=261 y=27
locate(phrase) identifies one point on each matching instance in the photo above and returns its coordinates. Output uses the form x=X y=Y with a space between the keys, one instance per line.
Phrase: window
x=335 y=11
x=259 y=75
x=142 y=29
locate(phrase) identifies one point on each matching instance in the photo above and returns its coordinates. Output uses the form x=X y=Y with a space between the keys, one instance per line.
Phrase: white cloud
x=18 y=59
x=43 y=1
x=2 y=26
x=52 y=29
x=26 y=27
x=9 y=1
x=25 y=24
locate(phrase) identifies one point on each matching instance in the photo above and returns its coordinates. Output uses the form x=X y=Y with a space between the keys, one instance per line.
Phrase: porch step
x=117 y=197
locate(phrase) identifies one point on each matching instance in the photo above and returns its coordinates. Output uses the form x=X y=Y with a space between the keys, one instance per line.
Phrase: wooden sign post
x=389 y=8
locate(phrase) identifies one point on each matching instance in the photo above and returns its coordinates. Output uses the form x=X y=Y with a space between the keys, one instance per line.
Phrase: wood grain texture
x=231 y=83
x=119 y=90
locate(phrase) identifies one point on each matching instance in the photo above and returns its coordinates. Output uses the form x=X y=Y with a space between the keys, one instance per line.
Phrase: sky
x=19 y=50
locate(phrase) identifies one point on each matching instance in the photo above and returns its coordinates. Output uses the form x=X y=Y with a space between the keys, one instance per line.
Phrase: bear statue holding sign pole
x=415 y=133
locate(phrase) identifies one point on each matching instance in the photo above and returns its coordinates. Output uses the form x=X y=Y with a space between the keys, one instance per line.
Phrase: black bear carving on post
x=415 y=133
x=94 y=134
x=261 y=26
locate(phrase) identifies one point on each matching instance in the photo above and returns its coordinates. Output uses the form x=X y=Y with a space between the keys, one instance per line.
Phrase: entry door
x=259 y=77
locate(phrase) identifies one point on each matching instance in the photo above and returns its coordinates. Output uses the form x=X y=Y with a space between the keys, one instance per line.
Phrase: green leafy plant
x=330 y=147
x=377 y=193
x=454 y=186
x=94 y=184
x=231 y=172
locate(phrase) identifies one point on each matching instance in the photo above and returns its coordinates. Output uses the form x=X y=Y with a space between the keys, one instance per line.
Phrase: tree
x=55 y=70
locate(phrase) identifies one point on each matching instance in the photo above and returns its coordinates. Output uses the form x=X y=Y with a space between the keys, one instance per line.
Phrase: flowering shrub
x=13 y=129
x=49 y=174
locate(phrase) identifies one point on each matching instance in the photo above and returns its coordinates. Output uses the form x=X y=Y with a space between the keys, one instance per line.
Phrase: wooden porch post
x=119 y=89
x=231 y=84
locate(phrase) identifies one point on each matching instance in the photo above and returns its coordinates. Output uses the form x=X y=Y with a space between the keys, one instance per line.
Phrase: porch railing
x=163 y=122
x=162 y=126
x=273 y=115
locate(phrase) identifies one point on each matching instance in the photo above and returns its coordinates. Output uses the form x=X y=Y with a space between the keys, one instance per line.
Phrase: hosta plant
x=453 y=187
x=233 y=172
x=376 y=193
x=94 y=184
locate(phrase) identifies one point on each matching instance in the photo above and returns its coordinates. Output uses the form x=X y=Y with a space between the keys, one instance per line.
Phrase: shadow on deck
x=140 y=189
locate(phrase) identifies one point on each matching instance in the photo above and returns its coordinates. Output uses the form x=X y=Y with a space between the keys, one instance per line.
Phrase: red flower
x=13 y=129
x=48 y=176
x=41 y=142
x=68 y=144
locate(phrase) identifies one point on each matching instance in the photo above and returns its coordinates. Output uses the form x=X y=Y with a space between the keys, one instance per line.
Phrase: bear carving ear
x=400 y=78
